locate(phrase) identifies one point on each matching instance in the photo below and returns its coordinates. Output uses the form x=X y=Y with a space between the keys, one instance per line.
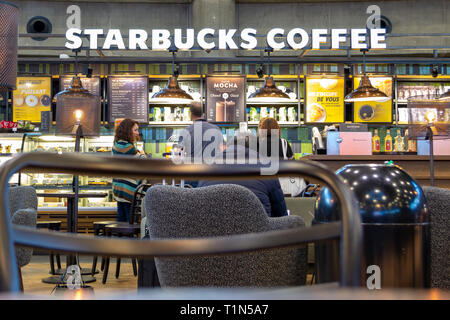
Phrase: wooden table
x=72 y=219
x=417 y=167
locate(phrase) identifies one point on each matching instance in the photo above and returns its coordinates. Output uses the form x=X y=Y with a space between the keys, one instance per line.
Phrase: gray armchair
x=438 y=200
x=23 y=209
x=218 y=211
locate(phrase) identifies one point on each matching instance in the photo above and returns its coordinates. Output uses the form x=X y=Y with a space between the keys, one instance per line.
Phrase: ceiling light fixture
x=172 y=93
x=366 y=92
x=269 y=92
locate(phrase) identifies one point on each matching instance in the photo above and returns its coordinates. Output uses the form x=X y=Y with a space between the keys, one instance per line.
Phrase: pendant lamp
x=269 y=92
x=76 y=108
x=366 y=92
x=172 y=93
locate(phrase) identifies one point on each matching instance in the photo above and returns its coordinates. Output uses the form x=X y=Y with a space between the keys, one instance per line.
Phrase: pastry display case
x=57 y=182
x=10 y=145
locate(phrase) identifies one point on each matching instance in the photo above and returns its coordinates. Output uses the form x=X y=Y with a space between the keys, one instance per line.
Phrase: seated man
x=268 y=191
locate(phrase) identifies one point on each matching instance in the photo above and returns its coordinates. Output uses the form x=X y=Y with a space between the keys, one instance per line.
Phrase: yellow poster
x=373 y=111
x=33 y=95
x=325 y=99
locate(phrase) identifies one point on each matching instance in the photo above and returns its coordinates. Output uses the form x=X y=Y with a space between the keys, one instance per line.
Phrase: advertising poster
x=225 y=100
x=373 y=111
x=90 y=84
x=32 y=96
x=128 y=98
x=325 y=99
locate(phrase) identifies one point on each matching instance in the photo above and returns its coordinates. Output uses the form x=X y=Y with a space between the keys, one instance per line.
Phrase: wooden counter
x=417 y=167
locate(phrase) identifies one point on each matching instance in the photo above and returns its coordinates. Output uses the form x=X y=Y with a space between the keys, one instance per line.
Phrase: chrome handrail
x=350 y=229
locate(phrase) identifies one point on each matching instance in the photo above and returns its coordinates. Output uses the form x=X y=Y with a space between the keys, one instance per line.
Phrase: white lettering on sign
x=296 y=38
x=337 y=37
x=138 y=38
x=318 y=37
x=226 y=85
x=248 y=35
x=291 y=38
x=271 y=38
x=93 y=37
x=201 y=38
x=160 y=39
x=188 y=43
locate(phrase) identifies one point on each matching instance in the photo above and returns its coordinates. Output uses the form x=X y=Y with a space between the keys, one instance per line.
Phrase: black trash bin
x=396 y=228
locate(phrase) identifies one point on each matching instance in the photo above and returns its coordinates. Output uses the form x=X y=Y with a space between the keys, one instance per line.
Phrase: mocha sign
x=277 y=38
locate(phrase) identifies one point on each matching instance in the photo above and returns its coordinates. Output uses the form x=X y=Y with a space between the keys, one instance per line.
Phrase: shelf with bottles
x=430 y=88
x=392 y=140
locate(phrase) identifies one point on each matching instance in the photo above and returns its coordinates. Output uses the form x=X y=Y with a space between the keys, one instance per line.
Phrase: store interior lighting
x=172 y=93
x=366 y=92
x=269 y=92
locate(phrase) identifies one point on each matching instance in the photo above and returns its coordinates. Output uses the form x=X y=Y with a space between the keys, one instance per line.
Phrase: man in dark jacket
x=268 y=191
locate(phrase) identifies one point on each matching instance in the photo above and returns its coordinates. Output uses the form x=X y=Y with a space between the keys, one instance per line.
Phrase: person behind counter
x=271 y=125
x=201 y=136
x=125 y=138
x=195 y=138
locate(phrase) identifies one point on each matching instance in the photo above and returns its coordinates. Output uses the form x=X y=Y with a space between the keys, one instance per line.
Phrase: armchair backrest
x=216 y=211
x=22 y=197
x=23 y=210
x=438 y=200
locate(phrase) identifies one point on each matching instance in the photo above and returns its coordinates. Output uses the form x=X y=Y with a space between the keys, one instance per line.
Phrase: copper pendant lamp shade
x=269 y=92
x=172 y=92
x=366 y=92
x=77 y=105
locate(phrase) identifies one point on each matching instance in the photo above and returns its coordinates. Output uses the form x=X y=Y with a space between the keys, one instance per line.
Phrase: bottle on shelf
x=375 y=141
x=410 y=144
x=398 y=145
x=388 y=142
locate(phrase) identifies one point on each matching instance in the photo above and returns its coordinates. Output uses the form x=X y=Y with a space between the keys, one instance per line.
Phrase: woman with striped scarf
x=125 y=138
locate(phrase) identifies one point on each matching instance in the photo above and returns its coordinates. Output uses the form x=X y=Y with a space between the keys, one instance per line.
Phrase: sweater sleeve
x=276 y=196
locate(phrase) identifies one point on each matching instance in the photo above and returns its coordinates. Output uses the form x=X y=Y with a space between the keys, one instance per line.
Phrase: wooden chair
x=128 y=229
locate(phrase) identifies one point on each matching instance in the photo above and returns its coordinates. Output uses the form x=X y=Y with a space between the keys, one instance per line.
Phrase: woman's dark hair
x=123 y=130
x=269 y=124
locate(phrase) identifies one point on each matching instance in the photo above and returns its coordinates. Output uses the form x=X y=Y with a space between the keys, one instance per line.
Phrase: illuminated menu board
x=128 y=98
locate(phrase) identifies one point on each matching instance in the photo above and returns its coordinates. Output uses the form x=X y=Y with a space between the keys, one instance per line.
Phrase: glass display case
x=10 y=145
x=56 y=182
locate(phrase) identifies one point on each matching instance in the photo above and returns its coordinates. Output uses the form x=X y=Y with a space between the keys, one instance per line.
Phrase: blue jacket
x=268 y=191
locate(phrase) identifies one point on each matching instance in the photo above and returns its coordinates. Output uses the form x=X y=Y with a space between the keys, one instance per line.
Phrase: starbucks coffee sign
x=277 y=38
